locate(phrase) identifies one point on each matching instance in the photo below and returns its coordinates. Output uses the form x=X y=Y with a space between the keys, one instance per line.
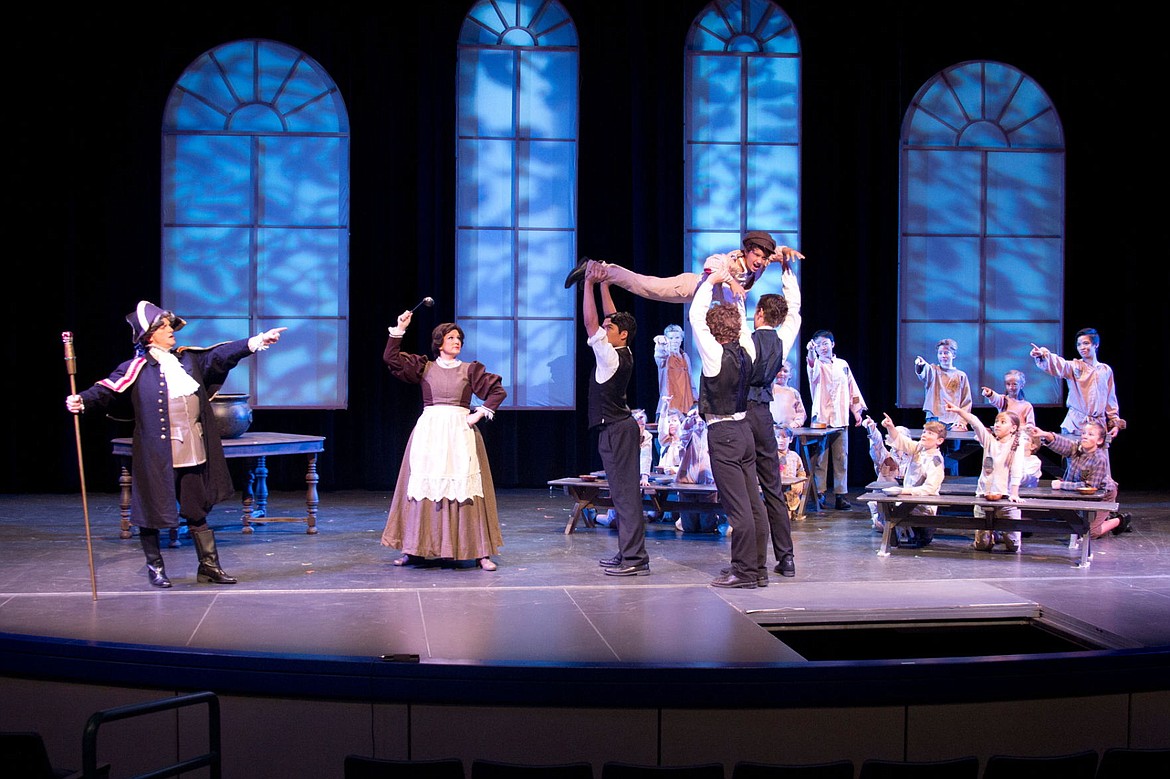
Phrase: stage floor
x=336 y=593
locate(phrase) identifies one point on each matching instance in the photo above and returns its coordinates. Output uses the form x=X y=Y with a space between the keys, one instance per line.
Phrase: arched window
x=982 y=227
x=255 y=194
x=742 y=130
x=516 y=207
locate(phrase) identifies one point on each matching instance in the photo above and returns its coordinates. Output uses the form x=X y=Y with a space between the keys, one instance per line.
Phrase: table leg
x=887 y=529
x=804 y=445
x=124 y=481
x=260 y=489
x=311 y=501
x=583 y=498
x=249 y=500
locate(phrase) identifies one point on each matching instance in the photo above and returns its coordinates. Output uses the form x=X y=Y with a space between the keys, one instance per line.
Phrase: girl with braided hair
x=1003 y=468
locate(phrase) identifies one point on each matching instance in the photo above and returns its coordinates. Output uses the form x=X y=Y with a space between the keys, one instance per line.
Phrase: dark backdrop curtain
x=85 y=96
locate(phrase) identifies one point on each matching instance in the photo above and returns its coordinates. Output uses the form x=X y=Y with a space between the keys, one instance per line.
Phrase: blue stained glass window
x=516 y=196
x=742 y=133
x=256 y=214
x=982 y=227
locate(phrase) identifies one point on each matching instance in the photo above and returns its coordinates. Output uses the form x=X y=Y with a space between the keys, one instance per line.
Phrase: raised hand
x=270 y=337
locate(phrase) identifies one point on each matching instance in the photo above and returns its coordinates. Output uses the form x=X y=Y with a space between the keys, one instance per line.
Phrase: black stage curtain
x=85 y=96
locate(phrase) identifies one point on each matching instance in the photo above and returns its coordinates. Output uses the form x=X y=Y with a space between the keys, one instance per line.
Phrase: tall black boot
x=209 y=570
x=155 y=572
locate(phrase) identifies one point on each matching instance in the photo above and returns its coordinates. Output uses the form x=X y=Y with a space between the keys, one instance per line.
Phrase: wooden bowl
x=1087 y=490
x=587 y=477
x=993 y=496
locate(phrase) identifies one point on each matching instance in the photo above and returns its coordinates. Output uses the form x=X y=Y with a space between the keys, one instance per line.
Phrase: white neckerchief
x=443 y=362
x=179 y=382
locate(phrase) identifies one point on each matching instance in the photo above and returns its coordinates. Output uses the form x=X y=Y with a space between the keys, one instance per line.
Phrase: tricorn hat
x=759 y=238
x=147 y=317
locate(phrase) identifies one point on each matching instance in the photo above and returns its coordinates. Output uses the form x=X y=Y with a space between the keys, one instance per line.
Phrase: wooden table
x=660 y=496
x=1053 y=511
x=808 y=440
x=965 y=485
x=655 y=497
x=258 y=446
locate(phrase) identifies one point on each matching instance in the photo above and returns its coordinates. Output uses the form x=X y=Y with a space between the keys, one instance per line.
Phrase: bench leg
x=887 y=528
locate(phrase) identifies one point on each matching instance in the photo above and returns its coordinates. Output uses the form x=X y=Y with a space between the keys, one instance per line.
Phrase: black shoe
x=761 y=579
x=576 y=275
x=729 y=580
x=1126 y=525
x=786 y=566
x=842 y=504
x=611 y=562
x=629 y=570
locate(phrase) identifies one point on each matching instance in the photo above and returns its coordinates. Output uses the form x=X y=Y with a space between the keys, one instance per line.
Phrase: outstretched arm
x=788 y=329
x=589 y=303
x=607 y=305
x=263 y=340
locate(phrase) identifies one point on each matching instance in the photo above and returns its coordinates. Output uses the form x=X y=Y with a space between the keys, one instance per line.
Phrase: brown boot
x=209 y=570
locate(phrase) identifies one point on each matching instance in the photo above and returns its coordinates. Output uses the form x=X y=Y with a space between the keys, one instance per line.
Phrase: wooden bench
x=1058 y=512
x=655 y=497
x=659 y=496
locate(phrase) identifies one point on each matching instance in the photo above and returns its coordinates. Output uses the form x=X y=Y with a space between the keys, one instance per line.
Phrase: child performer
x=1033 y=467
x=944 y=384
x=924 y=474
x=1012 y=398
x=792 y=473
x=835 y=395
x=674 y=369
x=787 y=407
x=670 y=442
x=1085 y=463
x=1003 y=468
x=1091 y=393
x=888 y=466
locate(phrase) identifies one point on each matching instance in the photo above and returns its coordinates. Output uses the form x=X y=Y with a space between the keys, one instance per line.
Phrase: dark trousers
x=759 y=419
x=733 y=464
x=619 y=444
x=191 y=490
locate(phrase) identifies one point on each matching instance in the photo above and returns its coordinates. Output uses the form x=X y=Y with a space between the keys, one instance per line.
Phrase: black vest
x=607 y=402
x=726 y=393
x=769 y=358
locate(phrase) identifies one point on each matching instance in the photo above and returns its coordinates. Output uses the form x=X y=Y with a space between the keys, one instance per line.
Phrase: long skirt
x=456 y=528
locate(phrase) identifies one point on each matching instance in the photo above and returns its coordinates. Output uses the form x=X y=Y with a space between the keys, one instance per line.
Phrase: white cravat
x=179 y=382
